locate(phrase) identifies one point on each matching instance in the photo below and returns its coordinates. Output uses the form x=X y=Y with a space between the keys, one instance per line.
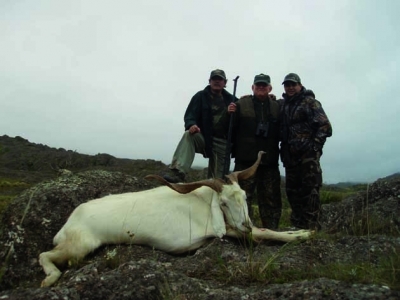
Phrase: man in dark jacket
x=304 y=129
x=206 y=129
x=256 y=127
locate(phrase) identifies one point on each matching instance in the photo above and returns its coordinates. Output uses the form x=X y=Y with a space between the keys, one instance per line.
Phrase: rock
x=360 y=235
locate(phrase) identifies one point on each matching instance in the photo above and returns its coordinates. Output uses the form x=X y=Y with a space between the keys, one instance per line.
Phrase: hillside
x=355 y=256
x=34 y=162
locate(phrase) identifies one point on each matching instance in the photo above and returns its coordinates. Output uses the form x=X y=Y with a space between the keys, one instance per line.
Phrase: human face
x=217 y=84
x=261 y=90
x=292 y=88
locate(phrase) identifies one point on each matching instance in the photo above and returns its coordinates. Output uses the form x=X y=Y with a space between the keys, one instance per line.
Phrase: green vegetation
x=368 y=224
x=3 y=149
x=4 y=201
x=265 y=270
x=328 y=195
x=9 y=188
x=270 y=270
x=7 y=184
x=385 y=272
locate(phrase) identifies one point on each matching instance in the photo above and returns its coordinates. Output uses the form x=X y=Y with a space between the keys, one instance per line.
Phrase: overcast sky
x=116 y=76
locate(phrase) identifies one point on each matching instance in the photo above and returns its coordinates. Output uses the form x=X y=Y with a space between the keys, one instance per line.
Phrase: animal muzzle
x=245 y=227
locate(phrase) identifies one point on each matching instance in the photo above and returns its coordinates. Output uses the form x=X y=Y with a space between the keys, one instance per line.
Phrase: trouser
x=189 y=145
x=266 y=184
x=303 y=182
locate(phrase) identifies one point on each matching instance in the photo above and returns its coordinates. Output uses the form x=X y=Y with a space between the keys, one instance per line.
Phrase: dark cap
x=262 y=78
x=219 y=73
x=293 y=77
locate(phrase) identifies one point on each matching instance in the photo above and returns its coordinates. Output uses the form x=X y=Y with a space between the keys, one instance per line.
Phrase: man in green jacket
x=206 y=130
x=256 y=127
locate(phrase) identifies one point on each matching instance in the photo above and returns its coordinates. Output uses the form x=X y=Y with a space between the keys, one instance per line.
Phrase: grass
x=327 y=195
x=386 y=272
x=369 y=224
x=5 y=201
x=269 y=269
x=9 y=189
x=7 y=184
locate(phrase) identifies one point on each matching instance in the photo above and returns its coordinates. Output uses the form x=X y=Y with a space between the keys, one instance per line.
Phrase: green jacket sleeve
x=193 y=111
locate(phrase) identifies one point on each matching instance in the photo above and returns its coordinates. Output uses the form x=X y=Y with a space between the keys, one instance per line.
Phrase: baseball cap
x=292 y=77
x=262 y=78
x=219 y=73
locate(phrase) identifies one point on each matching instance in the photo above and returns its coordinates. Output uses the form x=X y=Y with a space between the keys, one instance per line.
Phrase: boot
x=175 y=176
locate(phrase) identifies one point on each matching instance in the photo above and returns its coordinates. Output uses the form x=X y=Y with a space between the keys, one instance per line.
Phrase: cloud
x=116 y=77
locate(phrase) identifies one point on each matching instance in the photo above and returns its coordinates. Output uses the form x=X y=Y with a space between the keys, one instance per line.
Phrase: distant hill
x=346 y=184
x=393 y=176
x=20 y=158
x=24 y=160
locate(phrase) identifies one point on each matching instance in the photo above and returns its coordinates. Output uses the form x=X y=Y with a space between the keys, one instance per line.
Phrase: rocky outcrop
x=376 y=210
x=219 y=270
x=360 y=234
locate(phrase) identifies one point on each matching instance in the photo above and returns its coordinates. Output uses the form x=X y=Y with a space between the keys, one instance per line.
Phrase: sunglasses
x=216 y=78
x=289 y=84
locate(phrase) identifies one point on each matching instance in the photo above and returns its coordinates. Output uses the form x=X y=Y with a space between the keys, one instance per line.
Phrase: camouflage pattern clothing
x=302 y=190
x=248 y=141
x=265 y=185
x=304 y=129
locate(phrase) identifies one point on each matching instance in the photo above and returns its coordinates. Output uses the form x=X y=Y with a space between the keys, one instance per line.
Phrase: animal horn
x=247 y=173
x=184 y=188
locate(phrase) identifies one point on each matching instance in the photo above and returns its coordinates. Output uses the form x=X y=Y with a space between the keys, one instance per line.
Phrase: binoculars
x=262 y=129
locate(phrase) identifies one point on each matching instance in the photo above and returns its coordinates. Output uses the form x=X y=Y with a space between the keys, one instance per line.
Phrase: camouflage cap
x=293 y=77
x=262 y=78
x=219 y=73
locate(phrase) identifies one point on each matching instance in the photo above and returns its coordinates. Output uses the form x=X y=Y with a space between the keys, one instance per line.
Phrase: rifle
x=229 y=139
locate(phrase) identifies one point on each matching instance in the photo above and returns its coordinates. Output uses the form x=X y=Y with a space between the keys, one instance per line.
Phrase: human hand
x=232 y=107
x=194 y=129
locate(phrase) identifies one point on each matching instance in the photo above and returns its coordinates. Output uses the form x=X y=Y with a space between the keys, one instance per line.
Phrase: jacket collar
x=225 y=93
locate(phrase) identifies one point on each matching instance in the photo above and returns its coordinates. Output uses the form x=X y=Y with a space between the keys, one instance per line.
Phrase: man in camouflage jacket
x=256 y=128
x=304 y=129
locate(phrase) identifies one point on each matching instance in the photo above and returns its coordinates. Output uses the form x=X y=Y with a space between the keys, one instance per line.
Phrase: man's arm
x=320 y=124
x=193 y=111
